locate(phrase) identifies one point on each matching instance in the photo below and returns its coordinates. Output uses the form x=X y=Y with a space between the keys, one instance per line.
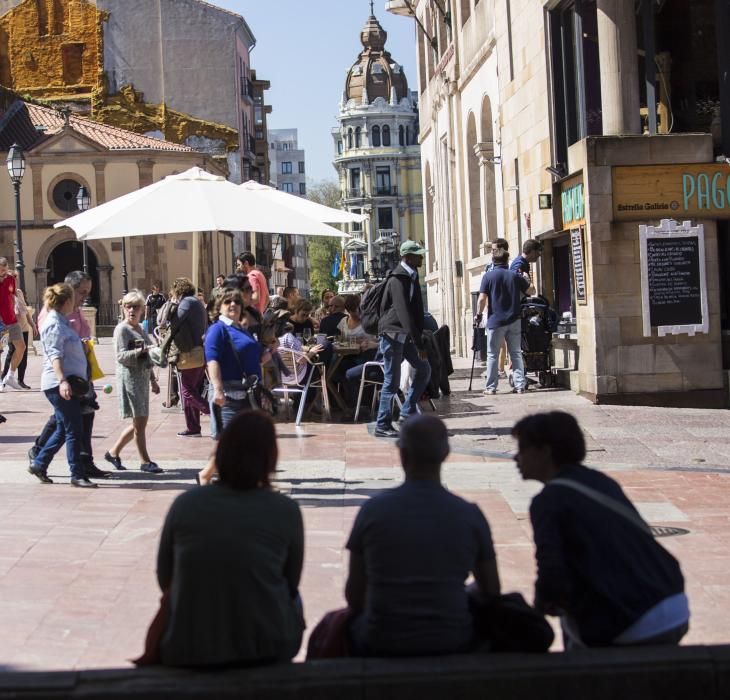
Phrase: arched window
x=349 y=138
x=358 y=137
x=401 y=136
x=386 y=135
x=376 y=136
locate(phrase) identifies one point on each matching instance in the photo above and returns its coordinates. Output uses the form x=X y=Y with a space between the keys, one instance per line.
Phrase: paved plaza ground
x=77 y=567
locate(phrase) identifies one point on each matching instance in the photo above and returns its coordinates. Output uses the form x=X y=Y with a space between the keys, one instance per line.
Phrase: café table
x=339 y=352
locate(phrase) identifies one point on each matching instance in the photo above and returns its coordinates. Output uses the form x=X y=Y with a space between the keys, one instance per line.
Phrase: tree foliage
x=321 y=250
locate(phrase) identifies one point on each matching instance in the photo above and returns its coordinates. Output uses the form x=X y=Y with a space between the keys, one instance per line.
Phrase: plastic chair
x=291 y=384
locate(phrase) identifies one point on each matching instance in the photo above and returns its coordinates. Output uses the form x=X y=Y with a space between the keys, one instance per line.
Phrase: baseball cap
x=411 y=248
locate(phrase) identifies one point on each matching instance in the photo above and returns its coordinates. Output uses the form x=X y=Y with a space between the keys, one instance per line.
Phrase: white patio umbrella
x=320 y=212
x=192 y=201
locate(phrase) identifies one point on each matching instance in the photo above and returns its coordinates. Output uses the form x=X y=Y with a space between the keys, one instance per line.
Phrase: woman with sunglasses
x=134 y=381
x=233 y=354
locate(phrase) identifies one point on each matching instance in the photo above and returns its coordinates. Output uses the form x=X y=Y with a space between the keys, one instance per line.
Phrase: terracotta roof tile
x=111 y=137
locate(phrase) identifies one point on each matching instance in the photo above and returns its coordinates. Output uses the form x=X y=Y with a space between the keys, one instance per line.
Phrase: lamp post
x=83 y=201
x=125 y=283
x=16 y=169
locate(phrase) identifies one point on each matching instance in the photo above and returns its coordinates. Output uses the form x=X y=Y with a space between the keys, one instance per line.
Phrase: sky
x=305 y=48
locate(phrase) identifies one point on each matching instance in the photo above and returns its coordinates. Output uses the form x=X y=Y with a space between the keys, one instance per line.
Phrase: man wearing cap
x=401 y=337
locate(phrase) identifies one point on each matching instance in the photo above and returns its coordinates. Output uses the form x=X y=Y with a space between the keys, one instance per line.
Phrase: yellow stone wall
x=51 y=48
x=54 y=50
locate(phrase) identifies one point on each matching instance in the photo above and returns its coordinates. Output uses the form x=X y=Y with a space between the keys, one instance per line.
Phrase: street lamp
x=83 y=201
x=16 y=169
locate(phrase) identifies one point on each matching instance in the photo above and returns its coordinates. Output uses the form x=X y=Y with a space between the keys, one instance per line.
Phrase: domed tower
x=377 y=158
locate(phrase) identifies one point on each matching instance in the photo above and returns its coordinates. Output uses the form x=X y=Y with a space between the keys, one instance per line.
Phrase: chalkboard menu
x=579 y=268
x=674 y=284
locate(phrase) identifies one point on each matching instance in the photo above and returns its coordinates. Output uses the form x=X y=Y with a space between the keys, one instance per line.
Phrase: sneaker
x=189 y=433
x=83 y=483
x=519 y=391
x=386 y=432
x=12 y=382
x=23 y=385
x=151 y=468
x=489 y=392
x=116 y=461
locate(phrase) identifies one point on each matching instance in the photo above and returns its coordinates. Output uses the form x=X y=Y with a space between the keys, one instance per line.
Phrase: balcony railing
x=246 y=88
x=355 y=193
x=388 y=238
x=386 y=191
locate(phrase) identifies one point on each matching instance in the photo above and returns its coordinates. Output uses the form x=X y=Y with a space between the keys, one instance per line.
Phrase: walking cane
x=475 y=348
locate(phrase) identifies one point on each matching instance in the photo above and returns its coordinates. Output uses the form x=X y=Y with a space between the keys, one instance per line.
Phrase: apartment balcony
x=388 y=239
x=246 y=89
x=354 y=193
x=389 y=191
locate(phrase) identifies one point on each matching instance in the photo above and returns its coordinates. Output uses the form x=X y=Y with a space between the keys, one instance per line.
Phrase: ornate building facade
x=582 y=124
x=377 y=159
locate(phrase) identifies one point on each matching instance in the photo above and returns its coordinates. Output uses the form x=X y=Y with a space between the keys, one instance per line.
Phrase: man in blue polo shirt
x=501 y=291
x=531 y=251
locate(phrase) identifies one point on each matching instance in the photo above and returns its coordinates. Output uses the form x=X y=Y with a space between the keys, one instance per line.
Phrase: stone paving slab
x=77 y=568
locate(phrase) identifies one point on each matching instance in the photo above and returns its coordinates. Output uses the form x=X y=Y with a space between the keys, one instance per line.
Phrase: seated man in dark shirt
x=328 y=324
x=411 y=551
x=598 y=565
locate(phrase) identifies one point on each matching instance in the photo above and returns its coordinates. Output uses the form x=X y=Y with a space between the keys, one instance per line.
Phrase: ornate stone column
x=619 y=67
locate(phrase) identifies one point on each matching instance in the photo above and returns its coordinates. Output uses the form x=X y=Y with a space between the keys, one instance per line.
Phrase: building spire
x=372 y=11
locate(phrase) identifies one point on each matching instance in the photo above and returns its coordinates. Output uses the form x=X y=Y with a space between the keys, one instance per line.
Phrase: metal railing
x=389 y=191
x=355 y=193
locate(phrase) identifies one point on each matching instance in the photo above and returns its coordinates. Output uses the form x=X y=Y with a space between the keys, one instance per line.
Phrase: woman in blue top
x=64 y=358
x=232 y=353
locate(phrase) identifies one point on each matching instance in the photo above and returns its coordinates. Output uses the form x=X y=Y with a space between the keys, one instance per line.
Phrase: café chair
x=375 y=383
x=291 y=385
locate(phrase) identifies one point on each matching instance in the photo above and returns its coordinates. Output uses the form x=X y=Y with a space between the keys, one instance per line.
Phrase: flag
x=343 y=262
x=353 y=266
x=336 y=265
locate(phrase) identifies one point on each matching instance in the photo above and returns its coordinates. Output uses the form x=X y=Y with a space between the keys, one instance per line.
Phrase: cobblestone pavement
x=77 y=582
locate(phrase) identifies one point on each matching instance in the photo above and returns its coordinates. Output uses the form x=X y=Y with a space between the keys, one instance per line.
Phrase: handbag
x=509 y=623
x=192 y=359
x=157 y=356
x=95 y=371
x=78 y=385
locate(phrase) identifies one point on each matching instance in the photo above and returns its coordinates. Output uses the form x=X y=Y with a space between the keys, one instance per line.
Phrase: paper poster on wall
x=673 y=281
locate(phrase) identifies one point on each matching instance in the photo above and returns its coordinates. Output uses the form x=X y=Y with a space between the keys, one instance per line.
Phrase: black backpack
x=370 y=306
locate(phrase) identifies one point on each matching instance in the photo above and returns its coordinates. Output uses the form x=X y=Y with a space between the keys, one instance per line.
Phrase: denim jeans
x=393 y=354
x=69 y=429
x=221 y=416
x=512 y=333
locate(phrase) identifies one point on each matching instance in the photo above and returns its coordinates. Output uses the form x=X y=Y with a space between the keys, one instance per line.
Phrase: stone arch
x=488 y=186
x=103 y=263
x=428 y=208
x=473 y=190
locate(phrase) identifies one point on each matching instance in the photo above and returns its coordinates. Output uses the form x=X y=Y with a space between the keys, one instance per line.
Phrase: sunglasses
x=232 y=301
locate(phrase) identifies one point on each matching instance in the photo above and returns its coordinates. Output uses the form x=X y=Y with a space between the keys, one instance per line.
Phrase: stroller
x=539 y=322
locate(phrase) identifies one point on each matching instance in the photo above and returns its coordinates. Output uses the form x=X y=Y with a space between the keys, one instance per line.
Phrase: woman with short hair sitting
x=230 y=558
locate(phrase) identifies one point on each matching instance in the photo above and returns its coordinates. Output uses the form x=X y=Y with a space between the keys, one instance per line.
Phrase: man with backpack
x=397 y=305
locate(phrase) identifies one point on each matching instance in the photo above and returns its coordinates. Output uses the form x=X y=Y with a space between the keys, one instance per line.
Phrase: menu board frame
x=578 y=262
x=669 y=228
